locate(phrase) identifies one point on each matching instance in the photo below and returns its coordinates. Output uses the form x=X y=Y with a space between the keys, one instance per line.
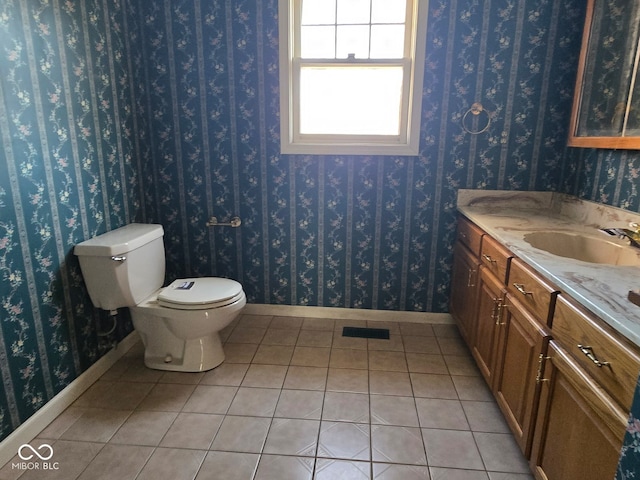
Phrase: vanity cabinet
x=511 y=334
x=579 y=429
x=465 y=276
x=586 y=392
x=563 y=379
x=523 y=342
x=524 y=336
x=484 y=347
x=534 y=293
x=470 y=236
x=610 y=360
x=494 y=260
x=464 y=282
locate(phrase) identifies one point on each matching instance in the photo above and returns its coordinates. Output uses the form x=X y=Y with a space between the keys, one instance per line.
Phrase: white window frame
x=406 y=143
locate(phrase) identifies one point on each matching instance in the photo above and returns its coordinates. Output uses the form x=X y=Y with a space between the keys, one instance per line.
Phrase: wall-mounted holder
x=476 y=109
x=234 y=222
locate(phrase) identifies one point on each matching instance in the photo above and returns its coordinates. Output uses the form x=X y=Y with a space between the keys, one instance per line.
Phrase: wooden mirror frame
x=630 y=143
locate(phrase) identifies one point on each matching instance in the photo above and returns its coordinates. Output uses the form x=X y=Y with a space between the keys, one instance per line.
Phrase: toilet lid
x=200 y=293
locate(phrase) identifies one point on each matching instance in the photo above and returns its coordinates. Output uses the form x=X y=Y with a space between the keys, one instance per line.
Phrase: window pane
x=315 y=12
x=388 y=11
x=317 y=42
x=353 y=11
x=353 y=39
x=387 y=41
x=350 y=100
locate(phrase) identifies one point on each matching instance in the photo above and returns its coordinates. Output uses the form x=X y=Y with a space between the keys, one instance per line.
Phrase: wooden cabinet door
x=579 y=428
x=490 y=298
x=464 y=283
x=522 y=341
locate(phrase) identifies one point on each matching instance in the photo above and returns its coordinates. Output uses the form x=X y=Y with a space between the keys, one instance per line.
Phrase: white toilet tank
x=124 y=266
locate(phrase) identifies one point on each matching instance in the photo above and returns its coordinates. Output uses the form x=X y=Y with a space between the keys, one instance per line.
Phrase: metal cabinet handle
x=470 y=281
x=489 y=259
x=496 y=314
x=588 y=351
x=541 y=359
x=521 y=289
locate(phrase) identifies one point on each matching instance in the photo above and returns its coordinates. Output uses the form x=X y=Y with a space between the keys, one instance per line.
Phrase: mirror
x=606 y=106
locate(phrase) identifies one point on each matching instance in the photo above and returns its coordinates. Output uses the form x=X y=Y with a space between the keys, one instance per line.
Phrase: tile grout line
x=333 y=346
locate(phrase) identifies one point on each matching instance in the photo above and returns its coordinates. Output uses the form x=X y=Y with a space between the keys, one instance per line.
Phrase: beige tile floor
x=296 y=400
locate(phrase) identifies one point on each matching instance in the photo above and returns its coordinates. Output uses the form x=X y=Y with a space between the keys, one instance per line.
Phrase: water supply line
x=114 y=316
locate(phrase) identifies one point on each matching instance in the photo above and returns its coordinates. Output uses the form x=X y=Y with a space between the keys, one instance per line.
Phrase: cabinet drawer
x=599 y=343
x=469 y=235
x=579 y=428
x=495 y=257
x=532 y=291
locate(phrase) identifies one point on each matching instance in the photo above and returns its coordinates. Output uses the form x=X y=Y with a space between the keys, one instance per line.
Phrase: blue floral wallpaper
x=68 y=171
x=605 y=176
x=113 y=111
x=347 y=231
x=629 y=464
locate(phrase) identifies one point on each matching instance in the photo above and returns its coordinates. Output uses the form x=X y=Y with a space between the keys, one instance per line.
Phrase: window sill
x=351 y=149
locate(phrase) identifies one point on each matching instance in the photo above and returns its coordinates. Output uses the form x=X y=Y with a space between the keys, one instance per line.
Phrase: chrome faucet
x=632 y=233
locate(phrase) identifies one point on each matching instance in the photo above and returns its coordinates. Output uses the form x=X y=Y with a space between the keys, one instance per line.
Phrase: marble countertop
x=602 y=289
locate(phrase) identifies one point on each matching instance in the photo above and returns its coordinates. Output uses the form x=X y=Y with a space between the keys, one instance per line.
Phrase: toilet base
x=182 y=340
x=196 y=355
x=165 y=351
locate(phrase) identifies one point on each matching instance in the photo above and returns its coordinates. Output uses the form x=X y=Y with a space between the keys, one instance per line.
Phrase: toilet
x=179 y=324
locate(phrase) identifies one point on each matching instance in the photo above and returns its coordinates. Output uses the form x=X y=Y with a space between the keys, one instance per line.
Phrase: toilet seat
x=200 y=293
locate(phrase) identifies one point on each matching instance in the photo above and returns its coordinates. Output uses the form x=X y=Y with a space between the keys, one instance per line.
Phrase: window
x=351 y=76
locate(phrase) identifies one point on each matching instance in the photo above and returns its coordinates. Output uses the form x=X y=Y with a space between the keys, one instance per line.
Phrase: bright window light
x=351 y=75
x=368 y=99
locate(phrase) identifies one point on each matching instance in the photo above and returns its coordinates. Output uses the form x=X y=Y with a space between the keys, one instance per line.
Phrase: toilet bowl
x=179 y=324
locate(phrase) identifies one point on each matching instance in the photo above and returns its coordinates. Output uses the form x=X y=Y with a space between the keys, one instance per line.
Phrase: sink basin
x=584 y=248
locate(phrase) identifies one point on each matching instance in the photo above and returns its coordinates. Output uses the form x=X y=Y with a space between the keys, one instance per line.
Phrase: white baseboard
x=347 y=313
x=54 y=407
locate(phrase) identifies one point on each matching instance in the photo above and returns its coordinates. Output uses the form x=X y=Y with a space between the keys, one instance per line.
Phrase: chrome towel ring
x=475 y=109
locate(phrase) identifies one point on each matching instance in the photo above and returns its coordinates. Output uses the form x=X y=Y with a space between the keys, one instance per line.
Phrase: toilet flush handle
x=118 y=259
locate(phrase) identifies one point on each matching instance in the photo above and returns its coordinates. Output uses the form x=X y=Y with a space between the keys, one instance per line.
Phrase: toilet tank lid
x=119 y=241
